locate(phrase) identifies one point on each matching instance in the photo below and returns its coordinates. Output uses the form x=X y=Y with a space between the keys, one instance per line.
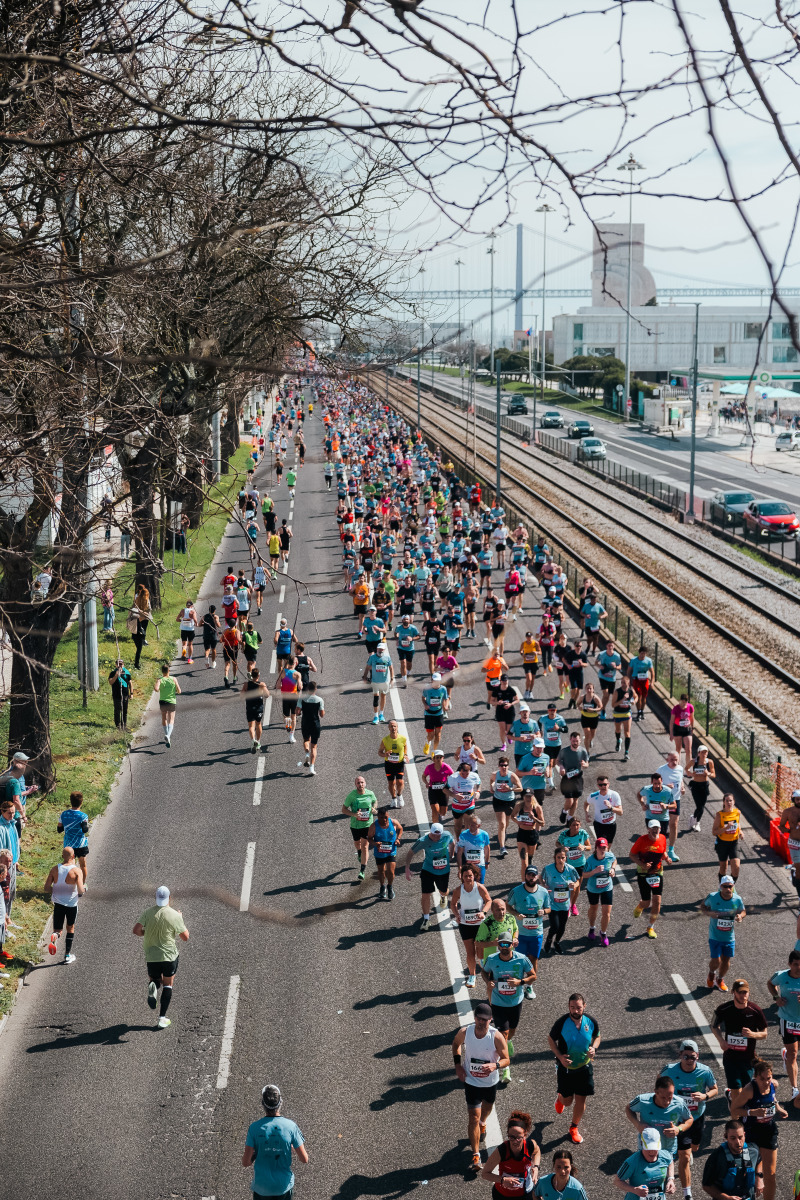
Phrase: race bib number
x=732 y=826
x=601 y=882
x=437 y=787
x=762 y=1115
x=512 y=1183
x=507 y=987
x=473 y=856
x=551 y=735
x=574 y=852
x=532 y=923
x=560 y=895
x=653 y=880
x=525 y=819
x=736 y=1041
x=438 y=863
x=572 y=774
x=724 y=923
x=394 y=758
x=480 y=1068
x=472 y=916
x=656 y=808
x=363 y=814
x=606 y=816
x=792 y=1026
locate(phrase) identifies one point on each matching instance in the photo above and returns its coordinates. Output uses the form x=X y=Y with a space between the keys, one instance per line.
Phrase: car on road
x=580 y=429
x=789 y=440
x=552 y=420
x=517 y=404
x=771 y=518
x=727 y=507
x=591 y=447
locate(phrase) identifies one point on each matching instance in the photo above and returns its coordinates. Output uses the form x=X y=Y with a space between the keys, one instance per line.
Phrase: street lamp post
x=459 y=265
x=491 y=253
x=630 y=166
x=543 y=208
x=694 y=411
x=421 y=341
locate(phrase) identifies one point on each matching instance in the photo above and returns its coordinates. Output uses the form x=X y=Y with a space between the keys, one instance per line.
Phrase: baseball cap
x=271 y=1097
x=795 y=795
x=483 y=1010
x=436 y=676
x=651 y=1139
x=552 y=704
x=601 y=842
x=437 y=828
x=372 y=608
x=689 y=1044
x=653 y=824
x=20 y=757
x=438 y=753
x=531 y=869
x=726 y=879
x=505 y=939
x=699 y=748
x=538 y=741
x=524 y=708
x=162 y=896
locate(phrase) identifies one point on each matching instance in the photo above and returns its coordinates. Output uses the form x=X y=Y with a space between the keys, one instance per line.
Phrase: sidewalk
x=731 y=440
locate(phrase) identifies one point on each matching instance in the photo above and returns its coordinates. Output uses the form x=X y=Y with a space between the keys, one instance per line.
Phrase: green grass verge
x=87 y=749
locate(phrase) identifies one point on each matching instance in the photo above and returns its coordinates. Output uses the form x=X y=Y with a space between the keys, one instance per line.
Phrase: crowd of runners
x=432 y=568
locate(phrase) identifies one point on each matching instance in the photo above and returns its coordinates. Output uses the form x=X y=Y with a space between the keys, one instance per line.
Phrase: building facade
x=662 y=339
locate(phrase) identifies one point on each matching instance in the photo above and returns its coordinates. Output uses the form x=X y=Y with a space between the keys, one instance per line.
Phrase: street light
x=421 y=340
x=543 y=208
x=694 y=411
x=491 y=253
x=630 y=166
x=459 y=265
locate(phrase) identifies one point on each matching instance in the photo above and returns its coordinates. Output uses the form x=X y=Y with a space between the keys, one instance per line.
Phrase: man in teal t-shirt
x=268 y=1148
x=438 y=849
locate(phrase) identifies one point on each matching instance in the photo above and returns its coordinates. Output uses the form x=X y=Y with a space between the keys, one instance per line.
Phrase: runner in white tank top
x=479 y=1052
x=65 y=882
x=467 y=905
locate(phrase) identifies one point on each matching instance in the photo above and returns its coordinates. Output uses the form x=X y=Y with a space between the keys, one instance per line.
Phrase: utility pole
x=544 y=208
x=459 y=265
x=497 y=450
x=491 y=253
x=630 y=166
x=694 y=411
x=518 y=318
x=421 y=341
x=216 y=446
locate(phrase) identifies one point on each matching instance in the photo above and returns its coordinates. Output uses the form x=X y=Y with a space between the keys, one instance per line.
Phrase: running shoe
x=381 y=717
x=476 y=1162
x=390 y=893
x=362 y=873
x=374 y=720
x=562 y=816
x=510 y=1045
x=312 y=770
x=651 y=933
x=505 y=1075
x=190 y=661
x=164 y=1022
x=722 y=985
x=426 y=748
x=152 y=993
x=637 y=912
x=292 y=738
x=672 y=854
x=575 y=1136
x=530 y=994
x=382 y=894
x=604 y=940
x=711 y=979
x=401 y=802
x=470 y=981
x=69 y=958
x=503 y=852
x=592 y=935
x=214 y=665
x=559 y=1106
x=574 y=910
x=625 y=757
x=51 y=949
x=425 y=925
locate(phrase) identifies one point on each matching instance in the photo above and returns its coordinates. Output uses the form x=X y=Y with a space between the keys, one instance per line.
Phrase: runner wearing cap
x=534 y=768
x=649 y=853
x=438 y=849
x=790 y=825
x=726 y=910
x=161 y=927
x=469 y=904
x=598 y=874
x=530 y=903
x=649 y=1172
x=268 y=1148
x=698 y=773
x=506 y=973
x=602 y=807
x=784 y=987
x=479 y=1054
x=694 y=1083
x=506 y=787
x=435 y=704
x=463 y=789
x=529 y=818
x=523 y=730
x=379 y=672
x=374 y=630
x=15 y=790
x=435 y=777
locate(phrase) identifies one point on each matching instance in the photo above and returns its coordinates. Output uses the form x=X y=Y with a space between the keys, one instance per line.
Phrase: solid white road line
x=259 y=783
x=447 y=930
x=282 y=596
x=223 y=1071
x=278 y=616
x=622 y=881
x=698 y=1016
x=286 y=567
x=247 y=877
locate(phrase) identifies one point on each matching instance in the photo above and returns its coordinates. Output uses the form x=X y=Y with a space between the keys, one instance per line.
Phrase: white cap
x=795 y=795
x=537 y=741
x=437 y=828
x=651 y=1139
x=162 y=896
x=726 y=879
x=524 y=708
x=438 y=753
x=653 y=824
x=436 y=676
x=20 y=757
x=701 y=748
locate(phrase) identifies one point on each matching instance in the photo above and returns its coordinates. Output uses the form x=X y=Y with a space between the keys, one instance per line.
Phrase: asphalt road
x=340 y=999
x=668 y=461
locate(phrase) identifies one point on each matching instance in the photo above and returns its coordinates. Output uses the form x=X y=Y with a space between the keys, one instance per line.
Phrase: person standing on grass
x=74 y=824
x=162 y=927
x=168 y=690
x=121 y=690
x=65 y=883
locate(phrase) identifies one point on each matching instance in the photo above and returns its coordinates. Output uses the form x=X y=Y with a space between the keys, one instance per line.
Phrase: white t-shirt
x=599 y=806
x=672 y=778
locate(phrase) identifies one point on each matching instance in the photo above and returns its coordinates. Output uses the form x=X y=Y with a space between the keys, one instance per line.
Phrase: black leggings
x=609 y=832
x=558 y=923
x=700 y=796
x=547 y=655
x=138 y=640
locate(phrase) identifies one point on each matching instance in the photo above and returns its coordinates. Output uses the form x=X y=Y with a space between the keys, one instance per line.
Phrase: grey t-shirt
x=573 y=761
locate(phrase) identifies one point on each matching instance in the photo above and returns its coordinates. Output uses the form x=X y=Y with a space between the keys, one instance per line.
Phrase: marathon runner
x=384 y=837
x=784 y=987
x=574 y=1040
x=726 y=910
x=161 y=927
x=469 y=904
x=394 y=752
x=438 y=850
x=507 y=972
x=312 y=710
x=598 y=873
x=529 y=901
x=168 y=690
x=694 y=1083
x=65 y=884
x=361 y=806
x=256 y=693
x=649 y=852
x=479 y=1054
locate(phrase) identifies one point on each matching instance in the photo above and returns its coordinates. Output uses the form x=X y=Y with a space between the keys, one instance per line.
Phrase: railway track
x=759 y=683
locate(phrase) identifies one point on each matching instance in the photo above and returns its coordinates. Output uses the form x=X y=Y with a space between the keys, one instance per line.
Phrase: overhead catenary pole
x=543 y=208
x=630 y=166
x=497 y=483
x=490 y=252
x=695 y=369
x=421 y=341
x=459 y=265
x=518 y=282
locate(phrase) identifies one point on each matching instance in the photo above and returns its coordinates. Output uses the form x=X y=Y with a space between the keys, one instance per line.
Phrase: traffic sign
x=764 y=377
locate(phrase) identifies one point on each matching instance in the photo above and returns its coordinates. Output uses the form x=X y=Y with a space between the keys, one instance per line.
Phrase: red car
x=771 y=518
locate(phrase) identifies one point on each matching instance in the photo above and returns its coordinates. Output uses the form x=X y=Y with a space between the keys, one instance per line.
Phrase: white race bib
x=652 y=880
x=532 y=923
x=507 y=987
x=560 y=895
x=736 y=1041
x=724 y=923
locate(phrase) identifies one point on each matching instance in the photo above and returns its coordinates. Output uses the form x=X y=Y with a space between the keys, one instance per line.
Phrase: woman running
x=211 y=632
x=505 y=787
x=529 y=817
x=516 y=1160
x=757 y=1105
x=621 y=707
x=470 y=903
x=168 y=690
x=698 y=774
x=290 y=683
x=590 y=706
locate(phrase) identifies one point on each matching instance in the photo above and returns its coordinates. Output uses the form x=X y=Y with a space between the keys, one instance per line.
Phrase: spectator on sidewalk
x=183 y=527
x=15 y=789
x=42 y=583
x=107 y=601
x=138 y=620
x=5 y=911
x=124 y=537
x=121 y=689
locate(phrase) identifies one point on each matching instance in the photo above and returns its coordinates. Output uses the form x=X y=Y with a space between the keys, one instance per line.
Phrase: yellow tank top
x=528 y=652
x=729 y=825
x=274 y=543
x=395 y=748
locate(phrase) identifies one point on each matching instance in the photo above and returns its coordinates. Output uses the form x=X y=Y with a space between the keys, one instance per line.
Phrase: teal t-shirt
x=506 y=975
x=676 y=1113
x=602 y=881
x=434 y=698
x=380 y=668
x=641 y=667
x=656 y=803
x=577 y=847
x=546 y=1189
x=558 y=884
x=721 y=927
x=701 y=1079
x=272 y=1138
x=790 y=991
x=529 y=907
x=436 y=857
x=636 y=1171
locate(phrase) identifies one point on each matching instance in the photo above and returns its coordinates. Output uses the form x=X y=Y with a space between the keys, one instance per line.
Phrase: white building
x=662 y=340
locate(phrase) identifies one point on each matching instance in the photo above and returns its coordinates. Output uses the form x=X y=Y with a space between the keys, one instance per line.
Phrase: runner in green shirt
x=360 y=806
x=168 y=690
x=291 y=480
x=499 y=921
x=161 y=927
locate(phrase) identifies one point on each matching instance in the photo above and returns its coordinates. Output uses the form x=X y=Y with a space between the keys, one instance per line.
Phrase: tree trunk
x=36 y=630
x=229 y=436
x=141 y=474
x=198 y=453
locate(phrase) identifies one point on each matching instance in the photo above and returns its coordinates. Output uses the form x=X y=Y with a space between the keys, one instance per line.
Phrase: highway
x=657 y=456
x=296 y=974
